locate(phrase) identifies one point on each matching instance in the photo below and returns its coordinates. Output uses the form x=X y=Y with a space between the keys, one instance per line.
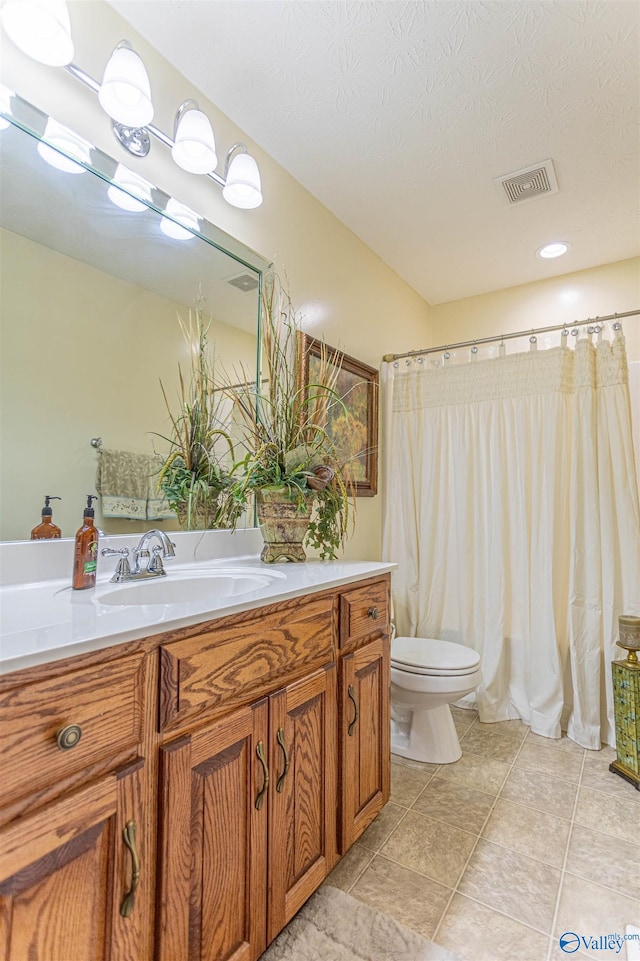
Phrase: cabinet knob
x=373 y=613
x=67 y=737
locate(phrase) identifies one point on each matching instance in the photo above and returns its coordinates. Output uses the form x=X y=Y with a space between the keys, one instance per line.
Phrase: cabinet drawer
x=104 y=702
x=231 y=665
x=364 y=612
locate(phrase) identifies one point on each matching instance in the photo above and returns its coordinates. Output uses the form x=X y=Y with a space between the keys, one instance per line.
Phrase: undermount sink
x=188 y=587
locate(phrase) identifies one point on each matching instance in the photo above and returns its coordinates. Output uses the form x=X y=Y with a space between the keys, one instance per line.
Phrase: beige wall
x=81 y=356
x=347 y=294
x=586 y=293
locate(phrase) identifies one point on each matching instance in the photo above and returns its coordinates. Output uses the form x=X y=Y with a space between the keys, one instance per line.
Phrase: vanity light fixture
x=183 y=214
x=194 y=147
x=131 y=183
x=41 y=29
x=242 y=187
x=57 y=135
x=125 y=92
x=556 y=249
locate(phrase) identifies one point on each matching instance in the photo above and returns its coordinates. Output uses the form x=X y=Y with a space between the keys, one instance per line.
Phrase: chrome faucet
x=154 y=568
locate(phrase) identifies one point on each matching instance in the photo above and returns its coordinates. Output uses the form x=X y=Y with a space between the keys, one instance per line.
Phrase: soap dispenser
x=46 y=529
x=85 y=557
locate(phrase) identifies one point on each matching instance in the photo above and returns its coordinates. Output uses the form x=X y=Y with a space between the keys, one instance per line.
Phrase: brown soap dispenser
x=85 y=557
x=46 y=529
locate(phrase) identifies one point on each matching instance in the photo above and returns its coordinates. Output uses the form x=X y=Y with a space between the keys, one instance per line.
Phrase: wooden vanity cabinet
x=365 y=758
x=235 y=751
x=66 y=875
x=73 y=784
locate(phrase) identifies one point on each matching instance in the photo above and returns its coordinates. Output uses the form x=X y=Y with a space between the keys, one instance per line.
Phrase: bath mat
x=333 y=926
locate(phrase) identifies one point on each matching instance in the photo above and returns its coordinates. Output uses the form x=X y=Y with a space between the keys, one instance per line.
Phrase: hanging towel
x=128 y=483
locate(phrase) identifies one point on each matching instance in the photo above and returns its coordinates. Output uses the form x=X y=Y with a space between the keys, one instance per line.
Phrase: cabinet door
x=302 y=812
x=364 y=738
x=66 y=874
x=213 y=833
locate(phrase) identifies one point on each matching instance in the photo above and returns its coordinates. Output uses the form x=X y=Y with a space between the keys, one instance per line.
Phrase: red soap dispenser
x=85 y=558
x=46 y=529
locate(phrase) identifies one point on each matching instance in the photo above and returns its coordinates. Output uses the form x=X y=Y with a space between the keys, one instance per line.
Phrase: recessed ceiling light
x=556 y=249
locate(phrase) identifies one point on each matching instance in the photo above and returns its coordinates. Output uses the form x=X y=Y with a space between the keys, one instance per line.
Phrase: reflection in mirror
x=92 y=289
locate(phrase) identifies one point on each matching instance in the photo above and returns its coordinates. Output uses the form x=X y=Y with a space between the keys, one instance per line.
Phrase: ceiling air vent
x=529 y=183
x=244 y=282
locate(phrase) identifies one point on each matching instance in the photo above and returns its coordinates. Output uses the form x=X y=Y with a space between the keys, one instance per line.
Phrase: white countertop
x=44 y=621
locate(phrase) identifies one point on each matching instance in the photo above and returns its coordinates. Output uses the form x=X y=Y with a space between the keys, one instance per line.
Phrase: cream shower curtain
x=511 y=507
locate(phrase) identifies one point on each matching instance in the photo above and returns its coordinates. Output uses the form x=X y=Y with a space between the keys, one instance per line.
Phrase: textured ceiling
x=398 y=115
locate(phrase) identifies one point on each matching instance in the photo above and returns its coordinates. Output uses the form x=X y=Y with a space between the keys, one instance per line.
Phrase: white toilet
x=426 y=676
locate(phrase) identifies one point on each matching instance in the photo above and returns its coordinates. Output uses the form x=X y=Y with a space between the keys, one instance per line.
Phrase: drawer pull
x=265 y=770
x=351 y=693
x=280 y=740
x=67 y=737
x=129 y=838
x=373 y=613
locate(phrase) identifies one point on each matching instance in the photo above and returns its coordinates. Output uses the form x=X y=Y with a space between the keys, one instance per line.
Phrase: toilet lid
x=426 y=655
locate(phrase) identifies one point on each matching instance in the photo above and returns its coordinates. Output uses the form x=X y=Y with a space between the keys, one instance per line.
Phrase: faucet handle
x=155 y=565
x=122 y=571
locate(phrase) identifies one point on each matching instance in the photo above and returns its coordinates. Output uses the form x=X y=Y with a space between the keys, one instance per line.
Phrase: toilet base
x=431 y=737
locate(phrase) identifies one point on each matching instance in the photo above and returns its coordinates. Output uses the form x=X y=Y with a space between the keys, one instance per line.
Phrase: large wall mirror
x=90 y=298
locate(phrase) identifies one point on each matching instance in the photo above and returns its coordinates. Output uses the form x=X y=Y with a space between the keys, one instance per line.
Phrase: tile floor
x=497 y=855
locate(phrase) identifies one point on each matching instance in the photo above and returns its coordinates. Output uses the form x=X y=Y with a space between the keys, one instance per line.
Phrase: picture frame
x=357 y=387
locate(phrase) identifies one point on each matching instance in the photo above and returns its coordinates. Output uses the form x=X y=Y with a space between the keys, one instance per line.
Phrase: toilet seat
x=432 y=657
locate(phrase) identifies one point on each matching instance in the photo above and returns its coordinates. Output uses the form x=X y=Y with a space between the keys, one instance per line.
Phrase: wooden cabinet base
x=220 y=770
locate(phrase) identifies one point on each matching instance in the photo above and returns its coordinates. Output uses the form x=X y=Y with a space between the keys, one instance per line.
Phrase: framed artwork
x=357 y=386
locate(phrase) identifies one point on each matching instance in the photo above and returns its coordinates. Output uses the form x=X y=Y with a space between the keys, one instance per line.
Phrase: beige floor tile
x=563 y=743
x=611 y=815
x=481 y=739
x=349 y=868
x=590 y=911
x=554 y=762
x=513 y=884
x=609 y=861
x=380 y=829
x=431 y=847
x=597 y=776
x=530 y=832
x=482 y=773
x=408 y=897
x=557 y=954
x=407 y=783
x=458 y=805
x=422 y=766
x=540 y=792
x=463 y=715
x=516 y=730
x=477 y=933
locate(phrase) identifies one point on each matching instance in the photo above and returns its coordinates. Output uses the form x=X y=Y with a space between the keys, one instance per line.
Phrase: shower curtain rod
x=388 y=358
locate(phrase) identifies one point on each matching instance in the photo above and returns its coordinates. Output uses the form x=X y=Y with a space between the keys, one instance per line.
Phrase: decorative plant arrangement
x=292 y=465
x=194 y=474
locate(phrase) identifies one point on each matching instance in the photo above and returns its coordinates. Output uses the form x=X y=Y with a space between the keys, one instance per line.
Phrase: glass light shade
x=195 y=148
x=553 y=250
x=67 y=141
x=185 y=215
x=243 y=188
x=132 y=184
x=125 y=93
x=41 y=29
